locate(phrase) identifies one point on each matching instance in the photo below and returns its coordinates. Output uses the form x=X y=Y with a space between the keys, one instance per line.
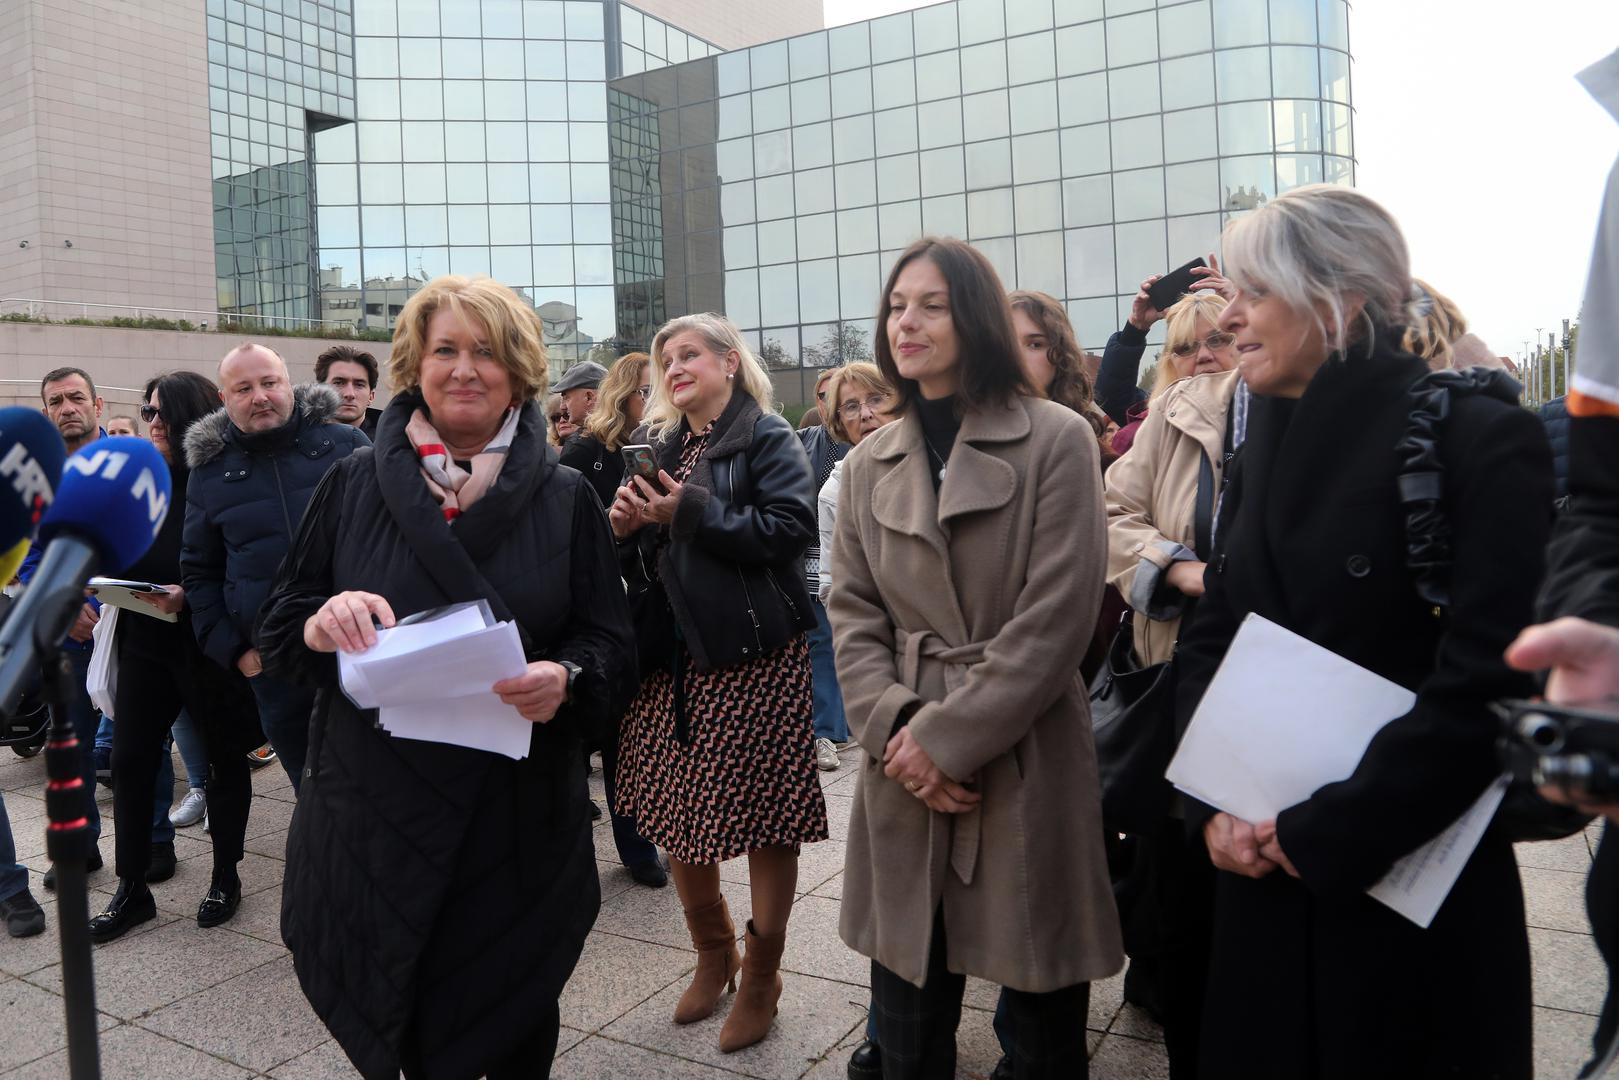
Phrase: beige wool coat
x=976 y=604
x=1152 y=501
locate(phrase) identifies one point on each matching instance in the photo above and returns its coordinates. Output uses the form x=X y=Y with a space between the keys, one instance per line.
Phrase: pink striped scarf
x=453 y=487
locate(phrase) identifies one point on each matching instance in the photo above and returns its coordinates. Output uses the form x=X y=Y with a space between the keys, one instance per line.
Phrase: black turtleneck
x=939 y=427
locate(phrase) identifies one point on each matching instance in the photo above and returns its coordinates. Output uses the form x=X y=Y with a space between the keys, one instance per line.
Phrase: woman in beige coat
x=969 y=533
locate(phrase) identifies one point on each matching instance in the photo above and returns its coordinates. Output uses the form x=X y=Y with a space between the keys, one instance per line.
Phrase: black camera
x=1576 y=750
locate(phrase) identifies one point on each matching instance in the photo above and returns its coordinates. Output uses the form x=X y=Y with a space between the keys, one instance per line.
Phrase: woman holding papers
x=1308 y=975
x=969 y=544
x=437 y=896
x=161 y=670
x=717 y=755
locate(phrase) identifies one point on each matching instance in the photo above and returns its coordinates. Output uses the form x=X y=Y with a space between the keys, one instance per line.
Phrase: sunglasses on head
x=1215 y=341
x=150 y=413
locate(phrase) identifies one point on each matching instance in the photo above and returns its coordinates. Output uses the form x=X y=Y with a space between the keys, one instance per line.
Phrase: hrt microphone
x=31 y=454
x=108 y=509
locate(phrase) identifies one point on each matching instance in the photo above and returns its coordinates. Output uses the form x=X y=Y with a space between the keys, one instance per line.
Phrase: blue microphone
x=31 y=454
x=106 y=513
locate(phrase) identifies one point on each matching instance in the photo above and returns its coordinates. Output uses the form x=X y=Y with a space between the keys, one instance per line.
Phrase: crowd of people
x=930 y=575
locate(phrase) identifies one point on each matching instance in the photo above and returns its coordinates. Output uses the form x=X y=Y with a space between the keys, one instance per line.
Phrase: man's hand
x=1583 y=657
x=537 y=693
x=85 y=624
x=170 y=601
x=249 y=664
x=1234 y=846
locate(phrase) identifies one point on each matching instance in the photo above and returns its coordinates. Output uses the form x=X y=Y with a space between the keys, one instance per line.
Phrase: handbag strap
x=1203 y=515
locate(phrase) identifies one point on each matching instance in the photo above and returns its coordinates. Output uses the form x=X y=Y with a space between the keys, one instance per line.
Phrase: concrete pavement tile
x=655 y=914
x=23 y=808
x=600 y=1059
x=272 y=845
x=325 y=1062
x=568 y=1038
x=1593 y=833
x=832 y=887
x=1134 y=1021
x=614 y=879
x=838 y=808
x=814 y=1016
x=181 y=894
x=268 y=816
x=144 y=971
x=814 y=948
x=132 y=1053
x=616 y=974
x=21 y=774
x=1554 y=899
x=1562 y=1042
x=1568 y=971
x=258 y=1019
x=1572 y=853
x=20 y=956
x=977 y=1049
x=34 y=1024
x=1120 y=1057
x=259 y=916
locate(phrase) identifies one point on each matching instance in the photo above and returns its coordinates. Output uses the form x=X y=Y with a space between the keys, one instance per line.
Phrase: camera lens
x=1543 y=732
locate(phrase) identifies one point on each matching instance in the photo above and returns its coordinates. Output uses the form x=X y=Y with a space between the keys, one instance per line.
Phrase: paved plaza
x=179 y=1002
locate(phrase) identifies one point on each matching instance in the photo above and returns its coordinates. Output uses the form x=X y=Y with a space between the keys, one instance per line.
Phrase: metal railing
x=35 y=308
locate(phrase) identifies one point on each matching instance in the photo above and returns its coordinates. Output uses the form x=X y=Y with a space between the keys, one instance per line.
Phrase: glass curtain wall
x=278 y=70
x=481 y=147
x=1081 y=145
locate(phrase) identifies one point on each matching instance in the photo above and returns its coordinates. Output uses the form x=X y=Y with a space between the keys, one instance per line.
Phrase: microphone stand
x=67 y=841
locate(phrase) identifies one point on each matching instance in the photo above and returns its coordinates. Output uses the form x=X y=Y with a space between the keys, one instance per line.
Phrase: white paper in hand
x=1282 y=718
x=429 y=678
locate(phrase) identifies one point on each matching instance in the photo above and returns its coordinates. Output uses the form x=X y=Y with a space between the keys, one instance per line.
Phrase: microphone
x=31 y=454
x=106 y=513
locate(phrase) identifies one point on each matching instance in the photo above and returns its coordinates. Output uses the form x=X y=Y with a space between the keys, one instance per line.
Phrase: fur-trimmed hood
x=313 y=404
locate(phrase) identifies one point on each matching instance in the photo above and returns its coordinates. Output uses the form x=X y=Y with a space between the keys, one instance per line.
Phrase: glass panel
x=857 y=230
x=899 y=224
x=545 y=59
x=1242 y=73
x=1334 y=76
x=1087 y=201
x=377 y=99
x=989 y=164
x=1340 y=170
x=731 y=72
x=856 y=184
x=1190 y=237
x=1293 y=72
x=1298 y=126
x=553 y=266
x=939 y=123
x=771 y=109
x=503 y=59
x=817 y=235
x=1089 y=257
x=777 y=241
x=943 y=171
x=774 y=195
x=1083 y=99
x=1292 y=21
x=1032 y=58
x=1334 y=20
x=768 y=64
x=466 y=183
x=851 y=92
x=1336 y=130
x=1085 y=150
x=417 y=18
x=1238 y=22
x=935 y=28
x=812 y=146
x=339 y=226
x=778 y=294
x=734 y=115
x=741 y=246
x=463 y=142
x=1133 y=91
x=810 y=101
x=425 y=184
x=462 y=59
x=848 y=46
x=772 y=153
x=807 y=56
x=1296 y=170
x=511 y=265
x=852 y=138
x=987 y=115
x=1036 y=157
x=1184 y=29
x=336 y=184
x=858 y=285
x=736 y=202
x=1081 y=49
x=1132 y=39
x=1188 y=81
x=381 y=184
x=1040 y=262
x=1138 y=194
x=505 y=100
x=891 y=38
x=592 y=224
x=469 y=225
x=894 y=84
x=1192 y=188
x=1137 y=142
x=1039 y=207
x=983 y=67
x=586 y=60
x=897 y=178
x=549 y=183
x=505 y=142
x=945 y=215
x=981 y=20
x=508 y=183
x=1189 y=135
x=378 y=57
x=1245 y=128
x=938 y=76
x=585 y=102
x=379 y=141
x=1141 y=253
x=818 y=290
x=896 y=130
x=550 y=223
x=1246 y=183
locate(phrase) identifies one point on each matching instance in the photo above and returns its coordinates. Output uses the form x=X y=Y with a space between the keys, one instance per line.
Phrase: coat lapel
x=903 y=500
x=975 y=479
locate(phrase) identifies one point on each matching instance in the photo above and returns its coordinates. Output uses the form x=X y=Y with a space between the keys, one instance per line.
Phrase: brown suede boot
x=755 y=1007
x=714 y=936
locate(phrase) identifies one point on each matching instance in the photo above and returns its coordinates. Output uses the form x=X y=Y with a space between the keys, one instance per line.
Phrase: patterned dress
x=745 y=778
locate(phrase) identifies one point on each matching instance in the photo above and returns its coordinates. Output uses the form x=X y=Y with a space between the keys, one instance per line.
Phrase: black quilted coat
x=436 y=897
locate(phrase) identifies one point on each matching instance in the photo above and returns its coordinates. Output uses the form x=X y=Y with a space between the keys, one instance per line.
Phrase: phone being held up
x=1173 y=285
x=639 y=460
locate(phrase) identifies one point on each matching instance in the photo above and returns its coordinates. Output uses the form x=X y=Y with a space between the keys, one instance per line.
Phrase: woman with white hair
x=716 y=755
x=1308 y=975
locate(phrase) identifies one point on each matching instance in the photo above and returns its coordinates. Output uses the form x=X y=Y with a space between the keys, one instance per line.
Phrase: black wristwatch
x=574 y=671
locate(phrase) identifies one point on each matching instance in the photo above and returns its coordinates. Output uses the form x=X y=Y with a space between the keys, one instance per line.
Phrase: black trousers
x=151 y=692
x=916 y=1028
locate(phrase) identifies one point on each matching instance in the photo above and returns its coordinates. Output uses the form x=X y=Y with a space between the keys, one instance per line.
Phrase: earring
x=730 y=375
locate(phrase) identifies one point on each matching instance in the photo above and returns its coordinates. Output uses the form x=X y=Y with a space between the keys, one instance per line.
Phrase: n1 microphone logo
x=108 y=464
x=28 y=480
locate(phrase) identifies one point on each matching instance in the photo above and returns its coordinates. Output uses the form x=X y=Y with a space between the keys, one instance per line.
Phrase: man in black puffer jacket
x=254 y=465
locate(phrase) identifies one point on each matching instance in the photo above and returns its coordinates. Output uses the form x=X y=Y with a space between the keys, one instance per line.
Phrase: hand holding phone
x=1175 y=284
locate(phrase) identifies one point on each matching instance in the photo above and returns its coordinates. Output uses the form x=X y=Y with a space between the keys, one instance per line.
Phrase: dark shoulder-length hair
x=990 y=373
x=185 y=398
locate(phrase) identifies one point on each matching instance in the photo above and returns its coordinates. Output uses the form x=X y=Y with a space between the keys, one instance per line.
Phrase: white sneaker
x=191 y=810
x=826 y=755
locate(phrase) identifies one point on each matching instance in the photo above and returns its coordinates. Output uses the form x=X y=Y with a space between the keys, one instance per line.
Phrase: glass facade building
x=1081 y=144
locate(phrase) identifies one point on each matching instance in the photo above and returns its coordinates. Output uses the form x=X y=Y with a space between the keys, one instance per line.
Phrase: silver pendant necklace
x=936 y=456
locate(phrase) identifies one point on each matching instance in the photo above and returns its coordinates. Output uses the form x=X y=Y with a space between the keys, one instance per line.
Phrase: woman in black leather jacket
x=716 y=755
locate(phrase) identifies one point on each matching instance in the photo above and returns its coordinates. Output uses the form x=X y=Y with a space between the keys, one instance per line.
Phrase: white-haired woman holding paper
x=437 y=897
x=1309 y=976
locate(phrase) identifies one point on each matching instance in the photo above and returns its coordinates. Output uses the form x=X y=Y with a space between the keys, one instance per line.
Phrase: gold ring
x=912 y=786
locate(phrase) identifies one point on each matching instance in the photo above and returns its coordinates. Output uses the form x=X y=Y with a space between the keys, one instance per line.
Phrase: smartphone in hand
x=639 y=460
x=1173 y=285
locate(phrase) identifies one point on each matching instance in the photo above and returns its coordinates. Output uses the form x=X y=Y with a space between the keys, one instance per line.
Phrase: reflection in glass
x=1298 y=126
x=1240 y=74
x=1336 y=130
x=1334 y=76
x=1238 y=22
x=1246 y=183
x=1296 y=170
x=1293 y=72
x=772 y=153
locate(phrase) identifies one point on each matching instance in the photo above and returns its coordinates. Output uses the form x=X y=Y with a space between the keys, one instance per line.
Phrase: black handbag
x=1133 y=722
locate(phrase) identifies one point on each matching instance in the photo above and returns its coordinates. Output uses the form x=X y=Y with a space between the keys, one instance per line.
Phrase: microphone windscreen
x=12 y=559
x=115 y=493
x=31 y=453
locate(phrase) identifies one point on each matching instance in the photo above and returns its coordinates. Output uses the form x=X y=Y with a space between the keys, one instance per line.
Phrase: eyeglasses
x=851 y=410
x=150 y=413
x=643 y=392
x=557 y=418
x=1215 y=341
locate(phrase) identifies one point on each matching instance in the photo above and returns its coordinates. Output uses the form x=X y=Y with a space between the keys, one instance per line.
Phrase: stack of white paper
x=1283 y=717
x=429 y=678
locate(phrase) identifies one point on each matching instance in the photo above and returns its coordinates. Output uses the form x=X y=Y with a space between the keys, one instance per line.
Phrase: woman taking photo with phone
x=716 y=755
x=968 y=535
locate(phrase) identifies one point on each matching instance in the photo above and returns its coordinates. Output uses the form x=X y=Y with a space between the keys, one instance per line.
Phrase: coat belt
x=913 y=647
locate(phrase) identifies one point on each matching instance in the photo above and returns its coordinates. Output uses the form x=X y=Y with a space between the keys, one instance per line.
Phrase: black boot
x=866 y=1063
x=91 y=866
x=224 y=897
x=161 y=867
x=131 y=905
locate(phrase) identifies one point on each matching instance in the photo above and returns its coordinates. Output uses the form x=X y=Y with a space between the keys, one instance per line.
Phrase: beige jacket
x=973 y=604
x=1152 y=503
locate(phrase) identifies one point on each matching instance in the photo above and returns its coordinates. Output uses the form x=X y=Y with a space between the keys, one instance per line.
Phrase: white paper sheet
x=430 y=680
x=1283 y=717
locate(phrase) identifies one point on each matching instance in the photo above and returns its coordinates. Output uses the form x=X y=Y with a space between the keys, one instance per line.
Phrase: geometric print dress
x=745 y=776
